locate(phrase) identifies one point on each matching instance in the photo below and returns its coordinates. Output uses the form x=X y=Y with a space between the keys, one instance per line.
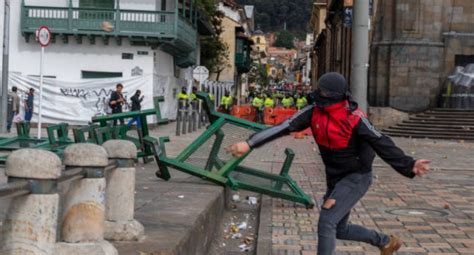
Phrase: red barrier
x=269 y=116
x=247 y=112
x=282 y=114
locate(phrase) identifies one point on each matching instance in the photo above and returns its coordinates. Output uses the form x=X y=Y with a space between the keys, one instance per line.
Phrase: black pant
x=10 y=116
x=118 y=110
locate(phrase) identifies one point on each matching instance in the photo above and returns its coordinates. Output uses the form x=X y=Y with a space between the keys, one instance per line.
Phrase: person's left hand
x=421 y=167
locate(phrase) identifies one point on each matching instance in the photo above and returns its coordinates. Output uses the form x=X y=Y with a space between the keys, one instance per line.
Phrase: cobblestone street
x=433 y=214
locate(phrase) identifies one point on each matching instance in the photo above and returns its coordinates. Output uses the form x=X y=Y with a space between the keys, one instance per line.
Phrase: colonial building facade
x=153 y=42
x=415 y=45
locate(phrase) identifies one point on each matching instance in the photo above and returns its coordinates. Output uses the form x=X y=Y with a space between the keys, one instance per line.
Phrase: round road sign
x=43 y=35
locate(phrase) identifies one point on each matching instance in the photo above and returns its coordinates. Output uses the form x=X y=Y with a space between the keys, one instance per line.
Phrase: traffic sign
x=200 y=73
x=43 y=35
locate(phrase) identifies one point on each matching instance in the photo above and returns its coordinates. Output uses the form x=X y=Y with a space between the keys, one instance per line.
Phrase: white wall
x=148 y=5
x=66 y=61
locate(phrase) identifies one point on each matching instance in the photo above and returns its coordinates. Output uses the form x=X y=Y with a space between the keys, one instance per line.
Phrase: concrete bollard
x=120 y=224
x=31 y=221
x=82 y=228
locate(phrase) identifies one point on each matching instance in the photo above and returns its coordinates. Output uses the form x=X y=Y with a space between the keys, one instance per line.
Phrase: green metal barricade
x=106 y=131
x=206 y=158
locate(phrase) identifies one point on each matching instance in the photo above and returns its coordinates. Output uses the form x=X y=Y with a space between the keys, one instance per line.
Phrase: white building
x=153 y=47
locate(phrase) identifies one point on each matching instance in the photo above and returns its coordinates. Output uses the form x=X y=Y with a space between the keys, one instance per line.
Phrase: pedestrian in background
x=287 y=102
x=117 y=101
x=301 y=101
x=13 y=107
x=136 y=100
x=257 y=103
x=226 y=102
x=269 y=102
x=29 y=104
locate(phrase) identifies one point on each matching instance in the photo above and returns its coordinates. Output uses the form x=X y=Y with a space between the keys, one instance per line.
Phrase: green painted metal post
x=290 y=155
x=215 y=150
x=195 y=17
x=184 y=9
x=176 y=17
x=117 y=19
x=191 y=11
x=69 y=16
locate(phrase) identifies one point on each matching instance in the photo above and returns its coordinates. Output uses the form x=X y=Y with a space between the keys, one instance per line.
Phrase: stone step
x=440 y=121
x=449 y=126
x=432 y=129
x=454 y=134
x=453 y=110
x=445 y=116
x=425 y=135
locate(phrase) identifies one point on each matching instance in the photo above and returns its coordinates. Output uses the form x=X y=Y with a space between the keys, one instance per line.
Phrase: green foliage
x=285 y=39
x=214 y=52
x=258 y=74
x=271 y=15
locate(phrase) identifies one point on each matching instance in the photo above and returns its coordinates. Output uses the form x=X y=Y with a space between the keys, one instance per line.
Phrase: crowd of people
x=287 y=99
x=259 y=99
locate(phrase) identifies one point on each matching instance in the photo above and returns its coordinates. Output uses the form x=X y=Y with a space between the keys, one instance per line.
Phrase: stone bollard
x=31 y=221
x=82 y=228
x=120 y=224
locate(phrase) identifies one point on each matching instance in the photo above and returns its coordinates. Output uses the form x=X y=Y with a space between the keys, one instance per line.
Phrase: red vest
x=332 y=126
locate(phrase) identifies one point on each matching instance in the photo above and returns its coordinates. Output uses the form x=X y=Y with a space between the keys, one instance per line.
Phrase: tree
x=258 y=74
x=285 y=39
x=214 y=52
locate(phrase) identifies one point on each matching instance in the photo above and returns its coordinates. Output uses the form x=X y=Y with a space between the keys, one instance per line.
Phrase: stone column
x=120 y=224
x=31 y=221
x=82 y=225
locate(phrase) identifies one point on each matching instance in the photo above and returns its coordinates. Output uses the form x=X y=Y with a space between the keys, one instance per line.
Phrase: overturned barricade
x=206 y=158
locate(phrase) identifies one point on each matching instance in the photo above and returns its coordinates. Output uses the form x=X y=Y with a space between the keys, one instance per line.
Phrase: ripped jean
x=333 y=220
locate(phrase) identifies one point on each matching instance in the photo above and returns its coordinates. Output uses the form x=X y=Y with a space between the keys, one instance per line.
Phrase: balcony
x=243 y=62
x=173 y=31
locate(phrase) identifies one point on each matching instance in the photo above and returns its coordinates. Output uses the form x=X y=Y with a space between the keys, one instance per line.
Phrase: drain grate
x=420 y=212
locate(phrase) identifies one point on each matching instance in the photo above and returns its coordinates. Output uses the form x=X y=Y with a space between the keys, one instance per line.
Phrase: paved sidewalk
x=434 y=214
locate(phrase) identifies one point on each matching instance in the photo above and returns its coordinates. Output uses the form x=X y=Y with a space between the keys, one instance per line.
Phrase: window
x=127 y=55
x=258 y=40
x=100 y=75
x=463 y=60
x=98 y=4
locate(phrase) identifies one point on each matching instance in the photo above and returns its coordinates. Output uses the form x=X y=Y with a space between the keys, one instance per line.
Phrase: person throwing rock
x=347 y=142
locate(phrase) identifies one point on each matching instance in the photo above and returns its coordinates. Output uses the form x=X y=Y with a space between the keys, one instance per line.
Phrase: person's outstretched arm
x=389 y=152
x=298 y=122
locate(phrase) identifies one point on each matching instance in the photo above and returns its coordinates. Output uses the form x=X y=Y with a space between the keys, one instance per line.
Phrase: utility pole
x=360 y=52
x=4 y=90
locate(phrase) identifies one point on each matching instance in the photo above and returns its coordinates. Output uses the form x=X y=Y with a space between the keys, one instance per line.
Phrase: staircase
x=457 y=124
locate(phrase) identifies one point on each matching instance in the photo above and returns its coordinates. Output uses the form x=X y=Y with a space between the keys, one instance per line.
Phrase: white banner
x=77 y=102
